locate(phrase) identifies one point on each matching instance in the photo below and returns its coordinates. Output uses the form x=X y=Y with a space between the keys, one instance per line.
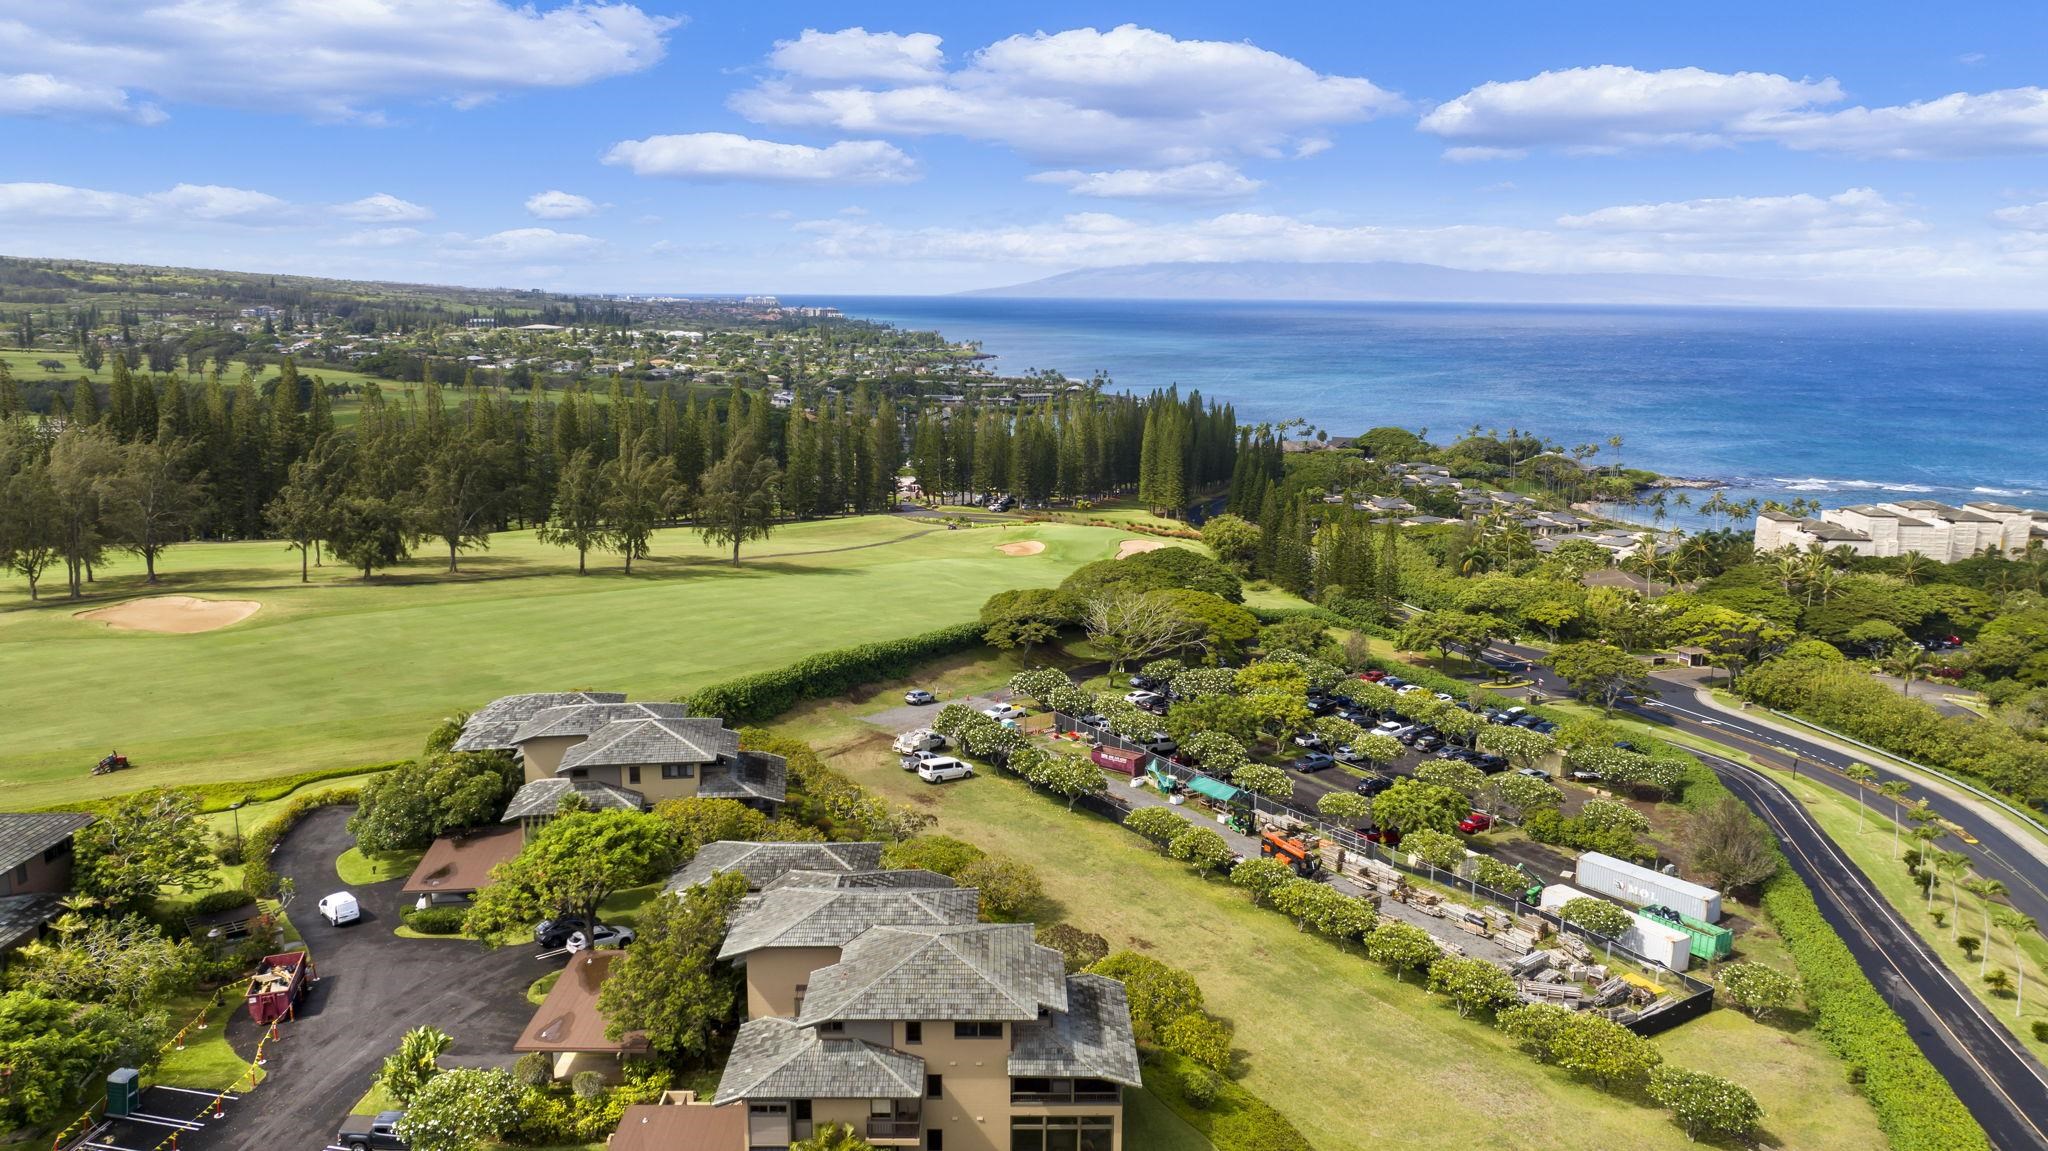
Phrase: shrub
x=1597 y=916
x=1158 y=993
x=1010 y=889
x=228 y=848
x=587 y=1084
x=533 y=1069
x=1705 y=1104
x=764 y=695
x=1757 y=989
x=435 y=920
x=1200 y=848
x=1198 y=1085
x=1549 y=826
x=1610 y=815
x=1443 y=852
x=2041 y=1030
x=1234 y=1120
x=215 y=902
x=1201 y=1037
x=1471 y=984
x=1157 y=824
x=940 y=853
x=1079 y=948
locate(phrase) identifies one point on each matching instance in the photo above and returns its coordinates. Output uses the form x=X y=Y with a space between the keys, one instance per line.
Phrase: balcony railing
x=1048 y=1097
x=895 y=1128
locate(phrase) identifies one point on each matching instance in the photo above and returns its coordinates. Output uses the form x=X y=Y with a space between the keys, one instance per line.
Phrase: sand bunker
x=173 y=614
x=1021 y=548
x=1129 y=548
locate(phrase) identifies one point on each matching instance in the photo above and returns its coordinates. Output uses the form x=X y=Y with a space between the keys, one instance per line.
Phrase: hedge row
x=1915 y=1106
x=765 y=695
x=219 y=796
x=1234 y=1119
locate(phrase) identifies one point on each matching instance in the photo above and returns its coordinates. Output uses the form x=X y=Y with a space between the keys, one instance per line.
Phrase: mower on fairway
x=113 y=761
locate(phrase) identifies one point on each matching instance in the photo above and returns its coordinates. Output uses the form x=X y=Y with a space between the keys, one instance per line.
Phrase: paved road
x=2001 y=1084
x=1675 y=702
x=373 y=987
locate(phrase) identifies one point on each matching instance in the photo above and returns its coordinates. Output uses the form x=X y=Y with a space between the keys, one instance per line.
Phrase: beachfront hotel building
x=1935 y=530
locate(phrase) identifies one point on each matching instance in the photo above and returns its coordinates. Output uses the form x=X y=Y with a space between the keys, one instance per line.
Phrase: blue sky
x=906 y=148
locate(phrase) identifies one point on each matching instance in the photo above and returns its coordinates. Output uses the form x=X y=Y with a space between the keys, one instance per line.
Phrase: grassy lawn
x=1150 y=1124
x=359 y=870
x=1325 y=1036
x=207 y=1063
x=335 y=672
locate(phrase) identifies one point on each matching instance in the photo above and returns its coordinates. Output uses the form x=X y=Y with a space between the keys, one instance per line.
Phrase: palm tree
x=1860 y=775
x=1615 y=443
x=1908 y=663
x=1912 y=565
x=1955 y=865
x=1895 y=790
x=1986 y=890
x=2019 y=925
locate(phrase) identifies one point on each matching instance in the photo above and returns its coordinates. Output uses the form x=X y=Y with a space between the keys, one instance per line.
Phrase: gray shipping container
x=1623 y=881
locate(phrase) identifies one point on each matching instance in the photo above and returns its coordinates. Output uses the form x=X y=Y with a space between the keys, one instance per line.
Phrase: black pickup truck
x=377 y=1132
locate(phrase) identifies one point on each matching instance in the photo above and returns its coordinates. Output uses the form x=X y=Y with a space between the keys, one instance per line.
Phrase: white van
x=340 y=908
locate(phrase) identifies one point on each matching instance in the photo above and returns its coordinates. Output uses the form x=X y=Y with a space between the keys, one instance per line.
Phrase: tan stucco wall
x=542 y=756
x=774 y=973
x=657 y=789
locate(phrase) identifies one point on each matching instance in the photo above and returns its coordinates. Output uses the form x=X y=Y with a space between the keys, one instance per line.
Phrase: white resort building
x=1935 y=530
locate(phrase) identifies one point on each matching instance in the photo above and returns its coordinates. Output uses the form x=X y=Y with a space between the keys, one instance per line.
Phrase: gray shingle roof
x=831 y=917
x=1091 y=1039
x=21 y=916
x=763 y=863
x=492 y=725
x=978 y=972
x=903 y=877
x=651 y=740
x=752 y=775
x=544 y=796
x=776 y=1059
x=584 y=718
x=26 y=835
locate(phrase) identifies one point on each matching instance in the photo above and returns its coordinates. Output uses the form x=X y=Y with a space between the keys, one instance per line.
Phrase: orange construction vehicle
x=1301 y=852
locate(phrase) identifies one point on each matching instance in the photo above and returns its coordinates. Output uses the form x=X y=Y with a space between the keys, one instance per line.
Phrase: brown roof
x=685 y=1127
x=462 y=865
x=568 y=1019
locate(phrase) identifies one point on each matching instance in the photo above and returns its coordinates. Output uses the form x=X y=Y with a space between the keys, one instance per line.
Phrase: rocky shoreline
x=1683 y=482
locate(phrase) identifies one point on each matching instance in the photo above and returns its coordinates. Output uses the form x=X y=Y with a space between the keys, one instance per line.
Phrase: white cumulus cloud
x=727 y=156
x=1609 y=107
x=335 y=60
x=1856 y=216
x=557 y=205
x=858 y=54
x=182 y=202
x=1207 y=180
x=1130 y=94
x=383 y=208
x=2011 y=121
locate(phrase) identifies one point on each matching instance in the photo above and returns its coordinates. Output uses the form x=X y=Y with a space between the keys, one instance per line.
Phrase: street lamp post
x=236 y=809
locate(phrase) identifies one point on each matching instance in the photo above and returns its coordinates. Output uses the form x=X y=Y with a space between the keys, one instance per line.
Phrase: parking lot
x=164 y=1112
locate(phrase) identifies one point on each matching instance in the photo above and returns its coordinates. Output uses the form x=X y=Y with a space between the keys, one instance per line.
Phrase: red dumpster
x=278 y=985
x=1118 y=760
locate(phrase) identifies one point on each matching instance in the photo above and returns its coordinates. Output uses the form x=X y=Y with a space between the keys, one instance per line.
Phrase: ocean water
x=1841 y=406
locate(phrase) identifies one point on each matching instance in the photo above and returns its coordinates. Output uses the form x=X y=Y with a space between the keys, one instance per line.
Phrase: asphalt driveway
x=373 y=987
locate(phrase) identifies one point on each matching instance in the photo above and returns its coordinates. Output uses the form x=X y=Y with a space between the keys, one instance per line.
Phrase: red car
x=1373 y=676
x=1477 y=821
x=1384 y=836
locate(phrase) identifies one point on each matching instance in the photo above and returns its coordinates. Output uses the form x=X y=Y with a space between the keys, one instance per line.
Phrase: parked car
x=1321 y=705
x=1446 y=697
x=1162 y=744
x=940 y=769
x=377 y=1132
x=1394 y=681
x=1004 y=711
x=340 y=908
x=1096 y=720
x=919 y=696
x=1533 y=772
x=1426 y=743
x=917 y=759
x=1583 y=776
x=1491 y=764
x=920 y=739
x=1154 y=704
x=1310 y=740
x=1384 y=836
x=549 y=934
x=1476 y=822
x=1373 y=784
x=1146 y=683
x=1348 y=754
x=1373 y=676
x=1408 y=689
x=1139 y=698
x=1313 y=761
x=603 y=937
x=1390 y=726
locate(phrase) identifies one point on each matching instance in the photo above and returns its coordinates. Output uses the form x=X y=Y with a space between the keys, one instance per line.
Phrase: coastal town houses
x=612 y=754
x=889 y=1007
x=35 y=871
x=1929 y=527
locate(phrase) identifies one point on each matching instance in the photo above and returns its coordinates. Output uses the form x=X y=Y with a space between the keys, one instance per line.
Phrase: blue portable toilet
x=124 y=1092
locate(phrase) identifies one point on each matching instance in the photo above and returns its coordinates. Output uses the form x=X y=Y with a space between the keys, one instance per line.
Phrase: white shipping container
x=1661 y=942
x=1620 y=880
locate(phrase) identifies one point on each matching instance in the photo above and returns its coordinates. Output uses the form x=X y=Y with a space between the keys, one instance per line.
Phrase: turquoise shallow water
x=1844 y=406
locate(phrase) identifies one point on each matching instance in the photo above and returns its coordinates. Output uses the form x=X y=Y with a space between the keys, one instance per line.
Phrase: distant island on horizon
x=1389 y=281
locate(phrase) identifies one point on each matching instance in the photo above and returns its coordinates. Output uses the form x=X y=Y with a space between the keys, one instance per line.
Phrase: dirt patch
x=173 y=614
x=1021 y=548
x=1129 y=548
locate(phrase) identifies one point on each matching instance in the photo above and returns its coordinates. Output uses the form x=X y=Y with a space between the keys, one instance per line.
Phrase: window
x=633 y=774
x=1062 y=1132
x=934 y=1086
x=978 y=1030
x=935 y=1140
x=913 y=1033
x=678 y=771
